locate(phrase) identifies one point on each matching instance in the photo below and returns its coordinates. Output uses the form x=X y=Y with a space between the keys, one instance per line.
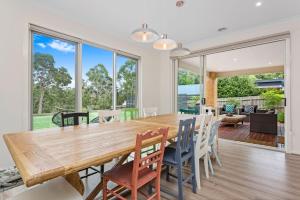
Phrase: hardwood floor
x=247 y=173
x=242 y=133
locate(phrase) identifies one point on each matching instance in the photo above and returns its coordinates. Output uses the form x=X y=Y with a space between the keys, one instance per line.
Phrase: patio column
x=211 y=89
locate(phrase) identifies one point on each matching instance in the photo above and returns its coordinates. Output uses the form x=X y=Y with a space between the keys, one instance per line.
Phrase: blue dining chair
x=181 y=152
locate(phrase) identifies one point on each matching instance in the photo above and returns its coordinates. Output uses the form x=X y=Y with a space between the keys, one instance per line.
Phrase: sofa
x=263 y=122
x=244 y=111
x=222 y=110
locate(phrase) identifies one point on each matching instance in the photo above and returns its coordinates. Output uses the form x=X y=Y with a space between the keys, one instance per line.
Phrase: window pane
x=53 y=73
x=126 y=82
x=97 y=81
x=189 y=91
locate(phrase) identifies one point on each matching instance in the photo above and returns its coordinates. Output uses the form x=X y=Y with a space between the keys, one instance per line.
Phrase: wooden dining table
x=43 y=155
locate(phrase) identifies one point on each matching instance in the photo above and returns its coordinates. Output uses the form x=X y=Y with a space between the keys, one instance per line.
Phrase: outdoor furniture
x=263 y=123
x=201 y=146
x=43 y=155
x=212 y=143
x=130 y=113
x=73 y=118
x=243 y=111
x=222 y=110
x=150 y=112
x=234 y=119
x=137 y=173
x=56 y=189
x=183 y=151
x=106 y=116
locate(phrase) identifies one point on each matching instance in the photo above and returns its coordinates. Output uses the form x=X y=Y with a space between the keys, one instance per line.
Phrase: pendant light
x=144 y=34
x=164 y=43
x=180 y=51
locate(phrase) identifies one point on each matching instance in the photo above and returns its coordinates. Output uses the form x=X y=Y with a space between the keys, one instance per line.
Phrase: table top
x=46 y=154
x=234 y=116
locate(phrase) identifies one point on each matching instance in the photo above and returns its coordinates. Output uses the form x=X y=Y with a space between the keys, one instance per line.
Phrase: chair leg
x=86 y=172
x=194 y=183
x=102 y=169
x=104 y=191
x=157 y=187
x=179 y=181
x=206 y=165
x=168 y=173
x=134 y=194
x=217 y=156
x=197 y=172
x=210 y=165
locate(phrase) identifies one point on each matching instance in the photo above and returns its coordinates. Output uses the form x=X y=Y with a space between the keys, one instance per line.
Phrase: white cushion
x=56 y=189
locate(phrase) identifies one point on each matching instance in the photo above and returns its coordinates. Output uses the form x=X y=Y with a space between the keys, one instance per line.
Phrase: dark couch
x=222 y=110
x=263 y=122
x=242 y=112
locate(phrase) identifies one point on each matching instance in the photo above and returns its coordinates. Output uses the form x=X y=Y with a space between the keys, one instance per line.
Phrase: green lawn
x=45 y=121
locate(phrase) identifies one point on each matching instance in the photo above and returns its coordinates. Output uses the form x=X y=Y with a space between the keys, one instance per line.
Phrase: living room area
x=249 y=94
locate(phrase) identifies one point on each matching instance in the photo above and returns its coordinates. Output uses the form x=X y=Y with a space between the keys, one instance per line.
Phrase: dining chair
x=58 y=189
x=137 y=173
x=73 y=119
x=201 y=146
x=212 y=142
x=106 y=116
x=130 y=113
x=176 y=156
x=150 y=112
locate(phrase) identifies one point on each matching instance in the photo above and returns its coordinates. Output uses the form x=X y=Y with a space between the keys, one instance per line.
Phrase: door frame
x=284 y=36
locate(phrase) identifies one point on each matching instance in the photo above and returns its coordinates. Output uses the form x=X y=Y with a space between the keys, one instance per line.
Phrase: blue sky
x=64 y=54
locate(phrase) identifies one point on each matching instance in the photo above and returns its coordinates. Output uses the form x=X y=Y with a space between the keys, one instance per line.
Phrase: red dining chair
x=137 y=173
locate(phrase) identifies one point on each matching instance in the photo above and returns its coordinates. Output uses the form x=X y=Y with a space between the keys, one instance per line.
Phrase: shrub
x=272 y=98
x=280 y=117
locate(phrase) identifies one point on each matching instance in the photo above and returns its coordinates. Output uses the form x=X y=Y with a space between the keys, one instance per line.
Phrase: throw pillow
x=229 y=108
x=249 y=109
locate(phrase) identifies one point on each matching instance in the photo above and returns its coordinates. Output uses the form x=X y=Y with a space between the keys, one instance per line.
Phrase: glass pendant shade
x=164 y=43
x=144 y=34
x=180 y=51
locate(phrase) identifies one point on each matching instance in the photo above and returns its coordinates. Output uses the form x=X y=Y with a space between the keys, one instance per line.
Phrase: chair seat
x=58 y=189
x=123 y=174
x=170 y=156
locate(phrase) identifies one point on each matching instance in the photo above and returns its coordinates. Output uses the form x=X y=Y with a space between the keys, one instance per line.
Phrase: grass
x=45 y=120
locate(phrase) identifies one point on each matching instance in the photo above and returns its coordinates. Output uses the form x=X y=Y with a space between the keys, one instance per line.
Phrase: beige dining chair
x=150 y=112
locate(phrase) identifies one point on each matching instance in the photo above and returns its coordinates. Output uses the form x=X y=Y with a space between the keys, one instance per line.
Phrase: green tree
x=49 y=82
x=237 y=86
x=98 y=91
x=186 y=77
x=126 y=81
x=270 y=76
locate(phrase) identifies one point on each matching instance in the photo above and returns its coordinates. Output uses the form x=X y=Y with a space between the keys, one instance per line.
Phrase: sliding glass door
x=190 y=85
x=53 y=78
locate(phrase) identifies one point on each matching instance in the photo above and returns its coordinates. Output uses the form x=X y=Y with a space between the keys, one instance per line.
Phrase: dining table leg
x=99 y=187
x=76 y=182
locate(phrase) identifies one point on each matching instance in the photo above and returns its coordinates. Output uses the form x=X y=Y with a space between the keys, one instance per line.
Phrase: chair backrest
x=106 y=116
x=185 y=137
x=150 y=112
x=73 y=119
x=130 y=113
x=156 y=157
x=203 y=132
x=214 y=130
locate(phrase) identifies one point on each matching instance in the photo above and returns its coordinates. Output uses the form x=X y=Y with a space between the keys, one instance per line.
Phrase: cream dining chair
x=150 y=112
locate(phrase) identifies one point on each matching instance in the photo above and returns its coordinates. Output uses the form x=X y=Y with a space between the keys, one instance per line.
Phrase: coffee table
x=234 y=119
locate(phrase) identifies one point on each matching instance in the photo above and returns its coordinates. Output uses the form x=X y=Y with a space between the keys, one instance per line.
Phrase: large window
x=71 y=75
x=53 y=83
x=97 y=79
x=126 y=82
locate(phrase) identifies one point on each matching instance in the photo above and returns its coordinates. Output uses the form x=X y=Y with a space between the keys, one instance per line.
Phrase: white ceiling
x=197 y=20
x=262 y=56
x=267 y=55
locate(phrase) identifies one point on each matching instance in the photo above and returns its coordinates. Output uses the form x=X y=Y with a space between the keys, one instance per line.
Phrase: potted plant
x=272 y=99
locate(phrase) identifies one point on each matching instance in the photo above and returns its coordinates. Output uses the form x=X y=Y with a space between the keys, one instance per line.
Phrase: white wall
x=293 y=26
x=14 y=76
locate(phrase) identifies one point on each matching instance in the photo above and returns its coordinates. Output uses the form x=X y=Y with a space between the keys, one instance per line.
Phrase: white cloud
x=41 y=45
x=62 y=46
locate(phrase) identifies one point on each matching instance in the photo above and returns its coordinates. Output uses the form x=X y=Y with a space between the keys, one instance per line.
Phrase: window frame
x=78 y=66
